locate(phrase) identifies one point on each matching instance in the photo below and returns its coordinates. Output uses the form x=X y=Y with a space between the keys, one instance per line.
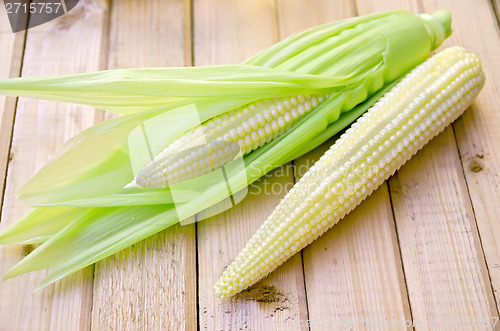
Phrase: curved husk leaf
x=94 y=233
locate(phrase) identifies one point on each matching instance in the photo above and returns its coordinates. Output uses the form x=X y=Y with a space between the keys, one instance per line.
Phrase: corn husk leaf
x=39 y=225
x=129 y=91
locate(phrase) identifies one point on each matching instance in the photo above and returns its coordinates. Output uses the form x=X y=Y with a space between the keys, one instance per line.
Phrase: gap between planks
x=155 y=277
x=13 y=46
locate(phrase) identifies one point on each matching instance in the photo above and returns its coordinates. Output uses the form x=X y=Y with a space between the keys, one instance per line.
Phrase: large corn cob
x=352 y=60
x=419 y=107
x=219 y=140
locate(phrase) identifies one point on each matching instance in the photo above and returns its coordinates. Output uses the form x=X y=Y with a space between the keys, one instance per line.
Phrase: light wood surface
x=424 y=248
x=70 y=45
x=150 y=285
x=479 y=129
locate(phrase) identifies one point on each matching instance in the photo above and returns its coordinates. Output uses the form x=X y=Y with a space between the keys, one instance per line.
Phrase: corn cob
x=428 y=99
x=353 y=60
x=219 y=140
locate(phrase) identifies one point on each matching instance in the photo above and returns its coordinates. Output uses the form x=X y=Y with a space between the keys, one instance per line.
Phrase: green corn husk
x=86 y=215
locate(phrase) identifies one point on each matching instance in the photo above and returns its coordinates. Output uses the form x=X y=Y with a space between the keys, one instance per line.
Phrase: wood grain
x=478 y=130
x=73 y=43
x=366 y=7
x=295 y=16
x=442 y=257
x=228 y=32
x=276 y=302
x=12 y=46
x=152 y=284
x=149 y=286
x=436 y=221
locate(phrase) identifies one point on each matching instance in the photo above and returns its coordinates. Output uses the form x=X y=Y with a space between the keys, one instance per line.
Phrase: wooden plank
x=444 y=267
x=150 y=33
x=367 y=7
x=229 y=32
x=353 y=272
x=12 y=45
x=496 y=7
x=477 y=131
x=295 y=15
x=446 y=275
x=152 y=284
x=148 y=286
x=70 y=44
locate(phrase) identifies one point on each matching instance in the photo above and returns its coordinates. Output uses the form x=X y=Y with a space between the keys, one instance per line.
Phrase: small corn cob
x=219 y=140
x=419 y=107
x=357 y=48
